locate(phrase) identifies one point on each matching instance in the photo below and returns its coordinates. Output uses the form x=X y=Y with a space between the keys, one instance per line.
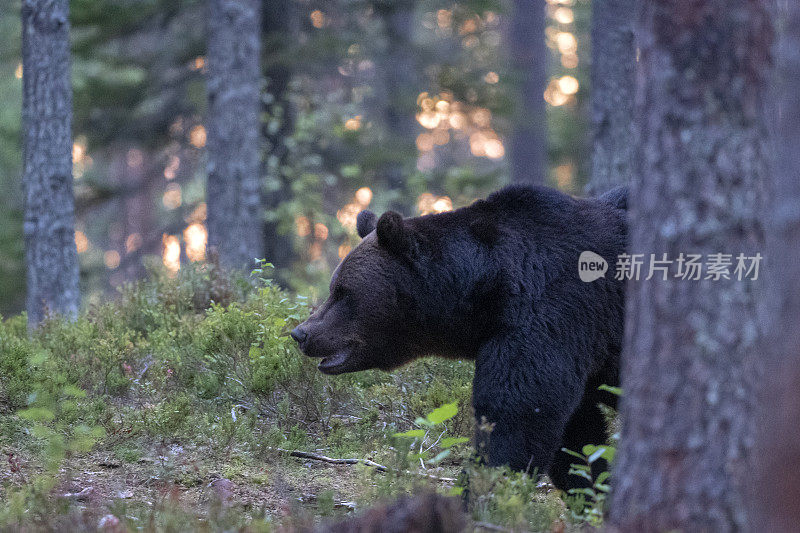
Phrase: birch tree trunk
x=691 y=362
x=778 y=488
x=49 y=225
x=613 y=87
x=233 y=193
x=529 y=57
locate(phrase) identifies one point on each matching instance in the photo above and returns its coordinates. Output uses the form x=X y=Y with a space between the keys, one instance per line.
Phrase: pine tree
x=691 y=362
x=279 y=29
x=399 y=70
x=529 y=56
x=613 y=85
x=49 y=215
x=233 y=193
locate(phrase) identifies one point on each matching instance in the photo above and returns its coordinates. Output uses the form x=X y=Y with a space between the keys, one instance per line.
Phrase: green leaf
x=422 y=422
x=443 y=413
x=594 y=452
x=411 y=434
x=447 y=442
x=589 y=449
x=441 y=455
x=596 y=455
x=612 y=390
x=456 y=491
x=610 y=453
x=573 y=454
x=576 y=472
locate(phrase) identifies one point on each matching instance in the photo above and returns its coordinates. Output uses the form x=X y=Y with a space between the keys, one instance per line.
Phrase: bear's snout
x=299 y=334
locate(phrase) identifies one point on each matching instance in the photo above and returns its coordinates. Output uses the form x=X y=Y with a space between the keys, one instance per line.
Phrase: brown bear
x=496 y=282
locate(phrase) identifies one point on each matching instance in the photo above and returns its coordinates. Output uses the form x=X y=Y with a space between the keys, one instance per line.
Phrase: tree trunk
x=402 y=87
x=529 y=57
x=778 y=487
x=691 y=363
x=279 y=27
x=49 y=226
x=613 y=87
x=233 y=195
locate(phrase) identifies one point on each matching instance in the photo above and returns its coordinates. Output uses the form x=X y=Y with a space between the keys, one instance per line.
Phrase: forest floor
x=192 y=486
x=176 y=407
x=176 y=485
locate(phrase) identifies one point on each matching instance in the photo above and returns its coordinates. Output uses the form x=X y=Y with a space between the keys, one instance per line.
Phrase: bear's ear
x=365 y=223
x=393 y=233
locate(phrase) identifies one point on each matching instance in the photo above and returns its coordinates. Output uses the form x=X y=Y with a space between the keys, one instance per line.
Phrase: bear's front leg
x=527 y=399
x=523 y=439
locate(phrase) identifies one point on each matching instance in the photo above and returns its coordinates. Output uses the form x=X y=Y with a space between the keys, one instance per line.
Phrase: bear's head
x=370 y=319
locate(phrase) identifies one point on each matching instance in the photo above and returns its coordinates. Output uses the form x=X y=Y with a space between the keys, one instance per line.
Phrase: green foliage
x=56 y=418
x=55 y=412
x=511 y=499
x=169 y=418
x=16 y=382
x=430 y=437
x=201 y=361
x=504 y=497
x=589 y=505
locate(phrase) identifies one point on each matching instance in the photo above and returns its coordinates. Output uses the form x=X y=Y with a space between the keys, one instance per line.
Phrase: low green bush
x=16 y=381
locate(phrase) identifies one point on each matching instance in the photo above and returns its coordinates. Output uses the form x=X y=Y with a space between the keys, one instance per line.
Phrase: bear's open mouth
x=334 y=364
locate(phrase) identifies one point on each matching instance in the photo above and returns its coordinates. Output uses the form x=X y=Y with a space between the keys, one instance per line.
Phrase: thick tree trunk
x=778 y=487
x=613 y=87
x=50 y=254
x=691 y=361
x=233 y=194
x=529 y=56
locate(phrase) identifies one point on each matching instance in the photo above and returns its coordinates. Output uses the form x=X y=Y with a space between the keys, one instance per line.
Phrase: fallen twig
x=336 y=504
x=353 y=461
x=326 y=459
x=80 y=496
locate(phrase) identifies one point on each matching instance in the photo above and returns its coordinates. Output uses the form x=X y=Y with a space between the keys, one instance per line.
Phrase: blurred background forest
x=411 y=106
